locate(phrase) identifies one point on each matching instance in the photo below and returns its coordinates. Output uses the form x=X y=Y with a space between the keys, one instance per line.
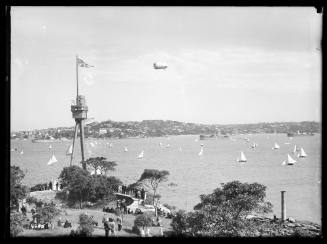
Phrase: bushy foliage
x=81 y=186
x=101 y=186
x=48 y=212
x=179 y=222
x=16 y=223
x=76 y=181
x=101 y=163
x=144 y=220
x=85 y=227
x=223 y=212
x=31 y=200
x=39 y=187
x=17 y=190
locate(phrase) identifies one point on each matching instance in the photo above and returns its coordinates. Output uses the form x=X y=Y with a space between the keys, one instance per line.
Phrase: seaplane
x=158 y=65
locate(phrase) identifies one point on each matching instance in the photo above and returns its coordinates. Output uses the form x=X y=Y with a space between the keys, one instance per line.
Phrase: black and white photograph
x=168 y=121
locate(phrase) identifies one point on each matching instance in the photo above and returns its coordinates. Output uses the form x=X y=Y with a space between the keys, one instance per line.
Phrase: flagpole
x=77 y=76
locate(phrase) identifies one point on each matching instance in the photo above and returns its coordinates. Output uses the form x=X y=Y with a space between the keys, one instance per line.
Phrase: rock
x=290 y=225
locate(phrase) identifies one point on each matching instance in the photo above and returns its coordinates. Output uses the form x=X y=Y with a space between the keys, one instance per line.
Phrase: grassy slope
x=72 y=215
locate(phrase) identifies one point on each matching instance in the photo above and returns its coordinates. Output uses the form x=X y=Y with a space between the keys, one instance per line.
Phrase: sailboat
x=52 y=160
x=276 y=146
x=243 y=158
x=92 y=144
x=69 y=150
x=284 y=162
x=22 y=152
x=110 y=145
x=167 y=145
x=125 y=150
x=302 y=153
x=201 y=152
x=50 y=146
x=290 y=161
x=141 y=155
x=295 y=149
x=254 y=145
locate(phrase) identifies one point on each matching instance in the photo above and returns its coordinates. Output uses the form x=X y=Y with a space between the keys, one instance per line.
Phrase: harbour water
x=194 y=174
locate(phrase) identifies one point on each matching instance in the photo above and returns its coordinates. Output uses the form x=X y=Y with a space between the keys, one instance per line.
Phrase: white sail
x=243 y=158
x=167 y=145
x=294 y=151
x=50 y=146
x=254 y=145
x=284 y=162
x=276 y=146
x=141 y=154
x=125 y=150
x=92 y=144
x=110 y=145
x=52 y=160
x=69 y=150
x=201 y=152
x=290 y=161
x=22 y=152
x=302 y=153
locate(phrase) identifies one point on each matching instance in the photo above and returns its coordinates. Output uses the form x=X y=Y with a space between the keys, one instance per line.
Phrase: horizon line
x=177 y=121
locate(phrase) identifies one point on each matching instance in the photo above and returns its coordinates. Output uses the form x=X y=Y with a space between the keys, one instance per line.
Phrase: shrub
x=85 y=227
x=179 y=222
x=144 y=220
x=31 y=200
x=16 y=223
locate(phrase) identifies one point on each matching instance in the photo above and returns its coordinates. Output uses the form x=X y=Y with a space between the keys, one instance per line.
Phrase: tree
x=152 y=178
x=237 y=199
x=85 y=227
x=143 y=221
x=48 y=212
x=102 y=187
x=75 y=180
x=17 y=190
x=223 y=212
x=101 y=163
x=179 y=222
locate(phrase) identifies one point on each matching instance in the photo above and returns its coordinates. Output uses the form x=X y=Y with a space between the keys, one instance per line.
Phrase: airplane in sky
x=158 y=65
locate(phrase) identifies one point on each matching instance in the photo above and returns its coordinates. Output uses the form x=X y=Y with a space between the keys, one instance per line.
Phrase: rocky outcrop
x=269 y=227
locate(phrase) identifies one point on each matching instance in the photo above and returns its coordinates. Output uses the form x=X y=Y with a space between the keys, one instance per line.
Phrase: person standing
x=119 y=223
x=105 y=222
x=112 y=227
x=50 y=185
x=57 y=185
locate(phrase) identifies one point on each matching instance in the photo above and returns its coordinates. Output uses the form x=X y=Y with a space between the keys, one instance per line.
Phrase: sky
x=226 y=65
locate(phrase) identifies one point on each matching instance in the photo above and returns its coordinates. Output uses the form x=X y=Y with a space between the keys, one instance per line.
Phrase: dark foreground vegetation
x=233 y=210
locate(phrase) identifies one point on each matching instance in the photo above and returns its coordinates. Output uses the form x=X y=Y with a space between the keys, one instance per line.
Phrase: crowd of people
x=109 y=225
